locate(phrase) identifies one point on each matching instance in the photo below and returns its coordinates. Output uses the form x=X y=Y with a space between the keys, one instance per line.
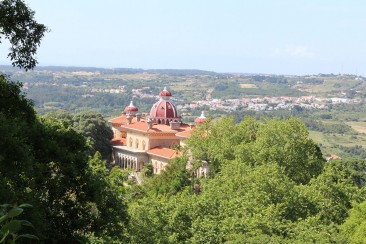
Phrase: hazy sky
x=258 y=36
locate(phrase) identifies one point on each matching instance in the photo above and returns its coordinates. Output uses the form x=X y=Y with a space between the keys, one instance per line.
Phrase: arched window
x=155 y=167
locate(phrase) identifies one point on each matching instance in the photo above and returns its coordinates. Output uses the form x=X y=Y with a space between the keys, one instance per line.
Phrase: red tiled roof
x=118 y=141
x=186 y=133
x=123 y=120
x=163 y=152
x=156 y=128
x=333 y=156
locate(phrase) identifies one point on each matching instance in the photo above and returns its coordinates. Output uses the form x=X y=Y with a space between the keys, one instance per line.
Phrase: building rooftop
x=118 y=141
x=122 y=119
x=185 y=134
x=163 y=152
x=143 y=126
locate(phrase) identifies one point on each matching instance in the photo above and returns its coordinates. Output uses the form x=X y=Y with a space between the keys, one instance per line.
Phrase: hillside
x=331 y=105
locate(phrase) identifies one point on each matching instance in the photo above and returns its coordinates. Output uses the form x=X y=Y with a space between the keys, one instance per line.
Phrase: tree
x=92 y=126
x=354 y=228
x=107 y=199
x=17 y=120
x=17 y=24
x=215 y=141
x=255 y=195
x=172 y=180
x=96 y=130
x=333 y=192
x=43 y=162
x=287 y=143
x=284 y=142
x=350 y=167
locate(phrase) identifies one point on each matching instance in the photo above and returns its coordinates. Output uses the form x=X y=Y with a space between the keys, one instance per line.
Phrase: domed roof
x=131 y=108
x=163 y=110
x=165 y=93
x=201 y=119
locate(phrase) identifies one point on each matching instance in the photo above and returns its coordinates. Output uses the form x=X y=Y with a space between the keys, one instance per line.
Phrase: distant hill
x=174 y=72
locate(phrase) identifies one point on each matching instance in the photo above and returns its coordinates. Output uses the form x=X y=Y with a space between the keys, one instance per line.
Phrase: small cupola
x=201 y=119
x=165 y=94
x=131 y=109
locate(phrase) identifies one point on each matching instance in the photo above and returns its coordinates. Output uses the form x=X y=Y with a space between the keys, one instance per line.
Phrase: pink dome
x=131 y=108
x=201 y=119
x=165 y=93
x=162 y=112
x=163 y=109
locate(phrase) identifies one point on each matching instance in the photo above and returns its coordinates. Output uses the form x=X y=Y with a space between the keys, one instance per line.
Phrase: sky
x=259 y=36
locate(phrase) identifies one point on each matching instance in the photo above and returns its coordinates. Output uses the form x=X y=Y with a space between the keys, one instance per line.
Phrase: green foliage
x=354 y=228
x=287 y=143
x=17 y=24
x=231 y=204
x=92 y=126
x=70 y=98
x=271 y=184
x=173 y=179
x=250 y=204
x=161 y=219
x=270 y=79
x=269 y=86
x=13 y=102
x=284 y=142
x=106 y=199
x=44 y=162
x=313 y=230
x=11 y=226
x=351 y=168
x=216 y=142
x=339 y=128
x=332 y=193
x=147 y=170
x=354 y=151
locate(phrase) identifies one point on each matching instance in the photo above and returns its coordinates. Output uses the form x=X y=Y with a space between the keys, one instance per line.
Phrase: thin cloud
x=296 y=51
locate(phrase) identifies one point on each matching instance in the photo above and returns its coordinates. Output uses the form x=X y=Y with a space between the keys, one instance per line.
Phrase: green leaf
x=25 y=205
x=4 y=217
x=14 y=212
x=26 y=223
x=4 y=237
x=13 y=226
x=29 y=236
x=4 y=205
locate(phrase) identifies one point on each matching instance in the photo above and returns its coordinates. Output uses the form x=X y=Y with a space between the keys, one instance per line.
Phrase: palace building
x=140 y=140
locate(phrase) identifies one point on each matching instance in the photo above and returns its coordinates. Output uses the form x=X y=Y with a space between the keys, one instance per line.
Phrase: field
x=334 y=86
x=360 y=127
x=245 y=86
